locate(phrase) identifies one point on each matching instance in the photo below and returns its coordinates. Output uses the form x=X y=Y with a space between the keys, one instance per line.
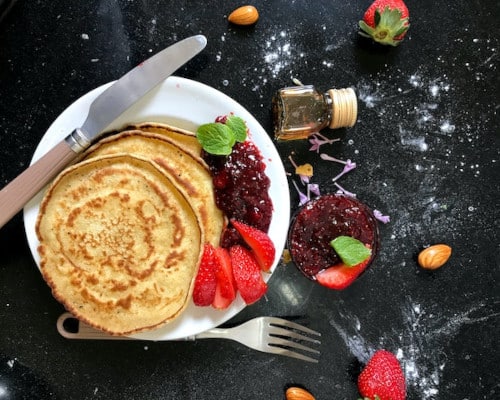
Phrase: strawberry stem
x=389 y=27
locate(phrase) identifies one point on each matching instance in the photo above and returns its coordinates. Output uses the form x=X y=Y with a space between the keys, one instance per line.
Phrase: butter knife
x=113 y=102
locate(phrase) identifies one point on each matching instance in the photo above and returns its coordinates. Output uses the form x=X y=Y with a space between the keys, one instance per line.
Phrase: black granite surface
x=426 y=146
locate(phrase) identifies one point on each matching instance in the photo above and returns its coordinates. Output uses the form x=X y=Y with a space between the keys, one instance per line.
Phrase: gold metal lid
x=344 y=108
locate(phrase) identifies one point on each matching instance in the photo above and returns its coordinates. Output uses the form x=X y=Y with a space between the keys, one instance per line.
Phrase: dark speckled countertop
x=426 y=146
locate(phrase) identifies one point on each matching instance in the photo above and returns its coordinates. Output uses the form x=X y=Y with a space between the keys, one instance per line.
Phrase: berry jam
x=320 y=221
x=241 y=189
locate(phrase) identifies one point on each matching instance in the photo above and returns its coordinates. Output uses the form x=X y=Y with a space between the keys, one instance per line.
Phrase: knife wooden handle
x=17 y=193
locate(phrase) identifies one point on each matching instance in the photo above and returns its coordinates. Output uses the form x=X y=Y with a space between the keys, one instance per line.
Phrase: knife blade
x=108 y=106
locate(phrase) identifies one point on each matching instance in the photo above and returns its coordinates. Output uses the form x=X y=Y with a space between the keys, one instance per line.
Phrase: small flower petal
x=317 y=140
x=344 y=191
x=304 y=179
x=382 y=218
x=327 y=157
x=302 y=197
x=349 y=166
x=314 y=189
x=316 y=144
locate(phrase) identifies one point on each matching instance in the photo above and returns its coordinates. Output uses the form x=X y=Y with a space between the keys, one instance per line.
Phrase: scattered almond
x=296 y=393
x=435 y=256
x=245 y=15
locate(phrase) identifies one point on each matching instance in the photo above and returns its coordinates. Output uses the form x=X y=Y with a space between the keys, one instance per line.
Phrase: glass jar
x=300 y=111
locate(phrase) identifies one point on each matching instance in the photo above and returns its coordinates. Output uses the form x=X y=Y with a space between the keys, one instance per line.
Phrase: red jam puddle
x=320 y=221
x=241 y=189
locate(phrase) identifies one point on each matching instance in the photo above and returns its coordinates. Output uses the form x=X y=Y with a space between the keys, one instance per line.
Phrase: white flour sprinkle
x=434 y=89
x=416 y=142
x=367 y=96
x=389 y=102
x=447 y=127
x=426 y=327
x=279 y=54
x=415 y=81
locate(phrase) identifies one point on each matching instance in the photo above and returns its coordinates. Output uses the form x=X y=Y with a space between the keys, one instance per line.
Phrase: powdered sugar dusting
x=420 y=347
x=422 y=122
x=447 y=127
x=279 y=53
x=425 y=115
x=410 y=140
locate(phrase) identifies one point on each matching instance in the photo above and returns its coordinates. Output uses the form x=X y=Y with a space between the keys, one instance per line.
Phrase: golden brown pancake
x=189 y=172
x=119 y=244
x=185 y=139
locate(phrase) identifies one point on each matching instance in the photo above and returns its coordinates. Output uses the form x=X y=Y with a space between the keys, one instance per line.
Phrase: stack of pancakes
x=121 y=232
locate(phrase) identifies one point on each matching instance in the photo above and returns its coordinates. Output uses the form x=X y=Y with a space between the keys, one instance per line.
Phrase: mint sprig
x=350 y=250
x=238 y=126
x=218 y=138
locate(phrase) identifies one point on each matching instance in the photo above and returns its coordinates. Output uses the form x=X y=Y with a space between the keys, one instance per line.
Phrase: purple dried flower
x=349 y=166
x=343 y=191
x=382 y=218
x=327 y=157
x=314 y=188
x=317 y=140
x=302 y=197
x=316 y=144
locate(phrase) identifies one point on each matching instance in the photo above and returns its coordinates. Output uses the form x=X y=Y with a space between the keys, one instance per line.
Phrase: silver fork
x=266 y=334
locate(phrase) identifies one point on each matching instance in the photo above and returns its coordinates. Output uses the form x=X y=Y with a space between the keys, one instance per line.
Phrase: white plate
x=186 y=104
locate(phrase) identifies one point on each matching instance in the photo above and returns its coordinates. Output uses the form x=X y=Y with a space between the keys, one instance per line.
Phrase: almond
x=296 y=393
x=435 y=256
x=245 y=15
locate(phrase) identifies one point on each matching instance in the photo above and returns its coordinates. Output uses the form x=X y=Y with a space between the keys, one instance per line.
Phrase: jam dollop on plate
x=241 y=189
x=323 y=219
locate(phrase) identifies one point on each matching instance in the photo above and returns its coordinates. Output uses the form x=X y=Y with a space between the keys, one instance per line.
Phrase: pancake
x=189 y=172
x=119 y=244
x=185 y=139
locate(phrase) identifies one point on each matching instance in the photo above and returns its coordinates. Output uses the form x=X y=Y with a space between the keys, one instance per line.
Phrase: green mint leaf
x=351 y=251
x=238 y=126
x=216 y=138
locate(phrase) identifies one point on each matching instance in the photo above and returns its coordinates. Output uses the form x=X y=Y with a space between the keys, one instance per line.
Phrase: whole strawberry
x=382 y=378
x=386 y=22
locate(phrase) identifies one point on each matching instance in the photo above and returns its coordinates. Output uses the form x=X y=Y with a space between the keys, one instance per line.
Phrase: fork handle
x=215 y=333
x=84 y=331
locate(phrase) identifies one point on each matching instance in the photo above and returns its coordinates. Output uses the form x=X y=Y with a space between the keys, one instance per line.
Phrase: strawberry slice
x=247 y=274
x=225 y=291
x=340 y=276
x=261 y=244
x=205 y=282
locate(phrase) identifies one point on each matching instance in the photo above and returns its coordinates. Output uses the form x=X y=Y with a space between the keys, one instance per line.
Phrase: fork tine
x=284 y=337
x=287 y=333
x=289 y=324
x=278 y=341
x=289 y=353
